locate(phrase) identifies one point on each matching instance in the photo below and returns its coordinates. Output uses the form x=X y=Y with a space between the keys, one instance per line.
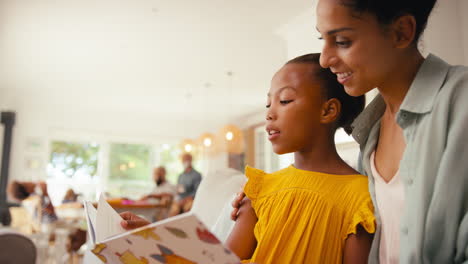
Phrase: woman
x=412 y=135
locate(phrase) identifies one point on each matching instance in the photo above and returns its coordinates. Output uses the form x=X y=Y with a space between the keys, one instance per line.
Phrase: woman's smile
x=344 y=77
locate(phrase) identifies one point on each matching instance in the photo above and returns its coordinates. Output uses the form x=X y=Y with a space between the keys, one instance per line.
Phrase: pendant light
x=230 y=136
x=232 y=139
x=188 y=146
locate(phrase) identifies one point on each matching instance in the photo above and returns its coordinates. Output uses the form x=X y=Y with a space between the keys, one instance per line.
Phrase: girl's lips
x=273 y=136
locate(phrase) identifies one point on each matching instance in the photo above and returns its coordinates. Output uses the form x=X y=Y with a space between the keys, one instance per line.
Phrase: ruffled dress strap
x=363 y=216
x=254 y=184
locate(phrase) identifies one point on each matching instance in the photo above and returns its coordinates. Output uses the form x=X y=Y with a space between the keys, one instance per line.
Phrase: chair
x=16 y=248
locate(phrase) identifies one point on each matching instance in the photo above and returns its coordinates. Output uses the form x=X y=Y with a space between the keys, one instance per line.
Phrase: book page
x=182 y=239
x=90 y=213
x=107 y=221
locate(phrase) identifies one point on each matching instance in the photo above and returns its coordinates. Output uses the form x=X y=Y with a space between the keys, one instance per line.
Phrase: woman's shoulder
x=453 y=93
x=450 y=77
x=457 y=82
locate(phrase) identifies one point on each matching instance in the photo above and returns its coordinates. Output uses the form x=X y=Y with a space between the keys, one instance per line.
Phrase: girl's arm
x=242 y=240
x=357 y=247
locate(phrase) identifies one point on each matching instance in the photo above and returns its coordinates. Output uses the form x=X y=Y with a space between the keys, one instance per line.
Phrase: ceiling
x=167 y=58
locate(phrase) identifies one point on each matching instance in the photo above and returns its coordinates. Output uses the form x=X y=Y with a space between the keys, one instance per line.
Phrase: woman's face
x=356 y=47
x=294 y=104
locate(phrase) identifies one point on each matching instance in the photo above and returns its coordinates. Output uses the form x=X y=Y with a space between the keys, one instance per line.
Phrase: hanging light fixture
x=232 y=139
x=188 y=148
x=230 y=135
x=188 y=145
x=207 y=140
x=208 y=144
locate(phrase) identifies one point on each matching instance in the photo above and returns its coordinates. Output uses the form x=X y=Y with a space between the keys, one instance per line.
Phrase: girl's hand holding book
x=236 y=204
x=131 y=221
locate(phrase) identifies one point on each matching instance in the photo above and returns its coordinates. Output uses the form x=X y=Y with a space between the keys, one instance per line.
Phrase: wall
x=300 y=34
x=443 y=35
x=462 y=11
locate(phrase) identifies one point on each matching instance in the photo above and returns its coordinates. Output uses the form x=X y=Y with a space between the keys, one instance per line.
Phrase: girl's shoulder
x=257 y=175
x=357 y=182
x=261 y=181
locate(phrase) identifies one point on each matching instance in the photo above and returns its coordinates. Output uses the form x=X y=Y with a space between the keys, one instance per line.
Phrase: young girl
x=317 y=210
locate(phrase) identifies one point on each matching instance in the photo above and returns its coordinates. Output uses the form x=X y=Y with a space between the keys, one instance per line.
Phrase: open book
x=182 y=239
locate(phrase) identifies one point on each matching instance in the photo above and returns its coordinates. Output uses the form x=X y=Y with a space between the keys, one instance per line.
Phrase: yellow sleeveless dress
x=305 y=216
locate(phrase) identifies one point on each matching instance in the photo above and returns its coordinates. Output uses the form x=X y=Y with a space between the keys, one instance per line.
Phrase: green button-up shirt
x=434 y=167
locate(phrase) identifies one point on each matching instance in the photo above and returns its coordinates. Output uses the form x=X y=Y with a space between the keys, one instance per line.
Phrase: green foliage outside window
x=73 y=157
x=129 y=162
x=170 y=159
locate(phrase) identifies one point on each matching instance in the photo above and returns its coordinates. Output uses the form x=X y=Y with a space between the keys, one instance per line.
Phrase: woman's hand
x=236 y=203
x=131 y=221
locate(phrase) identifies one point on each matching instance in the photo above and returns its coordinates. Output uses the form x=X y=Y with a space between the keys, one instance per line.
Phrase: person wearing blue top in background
x=187 y=186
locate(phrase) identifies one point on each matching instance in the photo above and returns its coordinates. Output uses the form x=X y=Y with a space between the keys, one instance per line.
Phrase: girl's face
x=294 y=105
x=356 y=48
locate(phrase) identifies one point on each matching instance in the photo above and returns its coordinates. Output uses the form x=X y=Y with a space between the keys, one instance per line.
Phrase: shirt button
x=404 y=230
x=410 y=182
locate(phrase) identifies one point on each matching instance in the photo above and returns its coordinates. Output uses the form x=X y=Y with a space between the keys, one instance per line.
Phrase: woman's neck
x=394 y=90
x=322 y=157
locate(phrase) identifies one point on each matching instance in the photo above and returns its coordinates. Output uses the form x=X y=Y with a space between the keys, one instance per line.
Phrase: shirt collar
x=419 y=99
x=363 y=124
x=426 y=85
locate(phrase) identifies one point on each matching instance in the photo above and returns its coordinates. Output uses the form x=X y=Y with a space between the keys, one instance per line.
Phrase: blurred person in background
x=70 y=196
x=162 y=189
x=23 y=191
x=187 y=185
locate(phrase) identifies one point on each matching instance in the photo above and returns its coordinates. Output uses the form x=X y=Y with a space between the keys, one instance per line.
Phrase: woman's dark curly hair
x=387 y=11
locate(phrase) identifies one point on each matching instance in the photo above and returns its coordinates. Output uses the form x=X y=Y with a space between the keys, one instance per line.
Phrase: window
x=72 y=159
x=73 y=164
x=169 y=157
x=129 y=170
x=119 y=169
x=129 y=162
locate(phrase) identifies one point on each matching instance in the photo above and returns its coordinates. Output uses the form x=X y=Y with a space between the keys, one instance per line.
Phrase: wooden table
x=146 y=209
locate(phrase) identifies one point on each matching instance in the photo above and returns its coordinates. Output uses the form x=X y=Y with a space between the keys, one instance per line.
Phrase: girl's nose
x=270 y=116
